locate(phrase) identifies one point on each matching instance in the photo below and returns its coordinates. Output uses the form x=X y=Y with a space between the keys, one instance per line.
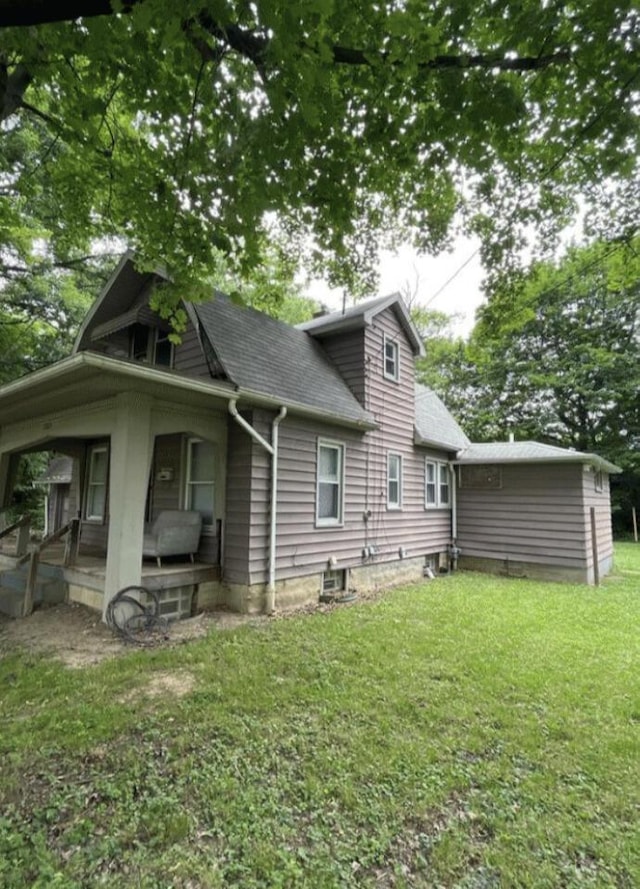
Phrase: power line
x=453 y=276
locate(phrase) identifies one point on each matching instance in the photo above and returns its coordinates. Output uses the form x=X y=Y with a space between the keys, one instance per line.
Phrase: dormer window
x=391 y=360
x=151 y=345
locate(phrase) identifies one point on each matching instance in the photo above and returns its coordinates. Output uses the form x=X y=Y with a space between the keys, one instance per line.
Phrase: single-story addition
x=312 y=460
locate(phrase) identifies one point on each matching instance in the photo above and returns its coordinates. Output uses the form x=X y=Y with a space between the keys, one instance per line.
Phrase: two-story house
x=316 y=463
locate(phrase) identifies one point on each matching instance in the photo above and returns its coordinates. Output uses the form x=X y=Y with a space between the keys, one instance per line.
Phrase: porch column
x=5 y=473
x=5 y=484
x=130 y=463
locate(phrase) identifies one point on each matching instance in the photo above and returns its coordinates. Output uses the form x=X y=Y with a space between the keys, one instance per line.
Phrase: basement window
x=334 y=581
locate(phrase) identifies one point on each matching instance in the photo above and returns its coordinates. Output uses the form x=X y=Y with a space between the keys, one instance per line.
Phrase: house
x=317 y=463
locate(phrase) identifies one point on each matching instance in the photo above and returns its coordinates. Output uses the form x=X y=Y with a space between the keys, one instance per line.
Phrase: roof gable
x=362 y=315
x=122 y=299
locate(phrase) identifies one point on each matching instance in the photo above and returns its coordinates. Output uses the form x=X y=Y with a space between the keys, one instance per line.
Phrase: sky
x=427 y=276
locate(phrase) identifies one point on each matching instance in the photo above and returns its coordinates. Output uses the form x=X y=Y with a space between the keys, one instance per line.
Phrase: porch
x=183 y=586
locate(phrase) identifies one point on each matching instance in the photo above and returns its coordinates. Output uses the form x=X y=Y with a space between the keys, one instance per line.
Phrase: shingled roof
x=434 y=425
x=529 y=452
x=266 y=356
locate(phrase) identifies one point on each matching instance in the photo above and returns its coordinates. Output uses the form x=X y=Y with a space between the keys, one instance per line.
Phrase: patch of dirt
x=177 y=683
x=77 y=636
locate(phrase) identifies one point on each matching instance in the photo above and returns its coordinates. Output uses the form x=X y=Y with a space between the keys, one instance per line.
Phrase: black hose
x=145 y=625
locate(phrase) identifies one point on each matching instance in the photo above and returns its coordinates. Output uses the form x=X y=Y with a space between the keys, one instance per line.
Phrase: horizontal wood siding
x=167 y=454
x=536 y=516
x=346 y=350
x=188 y=357
x=238 y=511
x=303 y=548
x=600 y=501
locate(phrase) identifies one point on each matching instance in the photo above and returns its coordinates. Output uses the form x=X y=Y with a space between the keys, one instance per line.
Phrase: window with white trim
x=437 y=485
x=200 y=479
x=444 y=497
x=330 y=483
x=391 y=360
x=96 y=491
x=598 y=481
x=394 y=481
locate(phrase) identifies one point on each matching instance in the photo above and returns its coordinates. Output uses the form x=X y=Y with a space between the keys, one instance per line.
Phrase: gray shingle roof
x=434 y=424
x=363 y=313
x=529 y=452
x=270 y=357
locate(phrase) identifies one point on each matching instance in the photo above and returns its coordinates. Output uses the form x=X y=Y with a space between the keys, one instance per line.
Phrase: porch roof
x=87 y=377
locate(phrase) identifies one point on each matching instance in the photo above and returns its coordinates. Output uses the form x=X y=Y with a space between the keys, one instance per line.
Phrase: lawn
x=471 y=732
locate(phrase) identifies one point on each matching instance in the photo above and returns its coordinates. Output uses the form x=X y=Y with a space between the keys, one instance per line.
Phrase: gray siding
x=188 y=357
x=245 y=530
x=347 y=351
x=302 y=547
x=537 y=516
x=600 y=501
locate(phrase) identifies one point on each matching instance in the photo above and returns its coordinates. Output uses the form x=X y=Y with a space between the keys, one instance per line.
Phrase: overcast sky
x=426 y=276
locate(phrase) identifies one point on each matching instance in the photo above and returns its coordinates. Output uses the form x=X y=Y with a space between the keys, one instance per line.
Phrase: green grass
x=471 y=732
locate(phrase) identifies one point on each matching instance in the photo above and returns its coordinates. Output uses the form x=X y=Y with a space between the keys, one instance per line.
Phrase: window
x=444 y=484
x=394 y=481
x=97 y=472
x=598 y=482
x=329 y=483
x=162 y=349
x=391 y=363
x=334 y=581
x=437 y=485
x=201 y=465
x=151 y=345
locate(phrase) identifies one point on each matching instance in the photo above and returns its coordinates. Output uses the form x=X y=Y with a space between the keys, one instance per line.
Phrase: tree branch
x=253 y=45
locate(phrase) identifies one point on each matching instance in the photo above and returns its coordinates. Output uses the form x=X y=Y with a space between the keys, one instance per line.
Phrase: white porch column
x=130 y=462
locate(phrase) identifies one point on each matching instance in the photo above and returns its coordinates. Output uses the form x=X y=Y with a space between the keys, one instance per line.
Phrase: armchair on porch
x=175 y=532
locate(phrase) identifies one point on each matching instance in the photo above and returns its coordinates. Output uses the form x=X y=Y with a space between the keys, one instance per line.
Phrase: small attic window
x=150 y=345
x=391 y=362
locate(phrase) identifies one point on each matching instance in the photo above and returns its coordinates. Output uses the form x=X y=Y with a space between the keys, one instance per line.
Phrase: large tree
x=188 y=128
x=556 y=357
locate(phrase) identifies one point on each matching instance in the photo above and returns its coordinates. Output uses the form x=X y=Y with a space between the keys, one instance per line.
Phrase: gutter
x=147 y=373
x=272 y=450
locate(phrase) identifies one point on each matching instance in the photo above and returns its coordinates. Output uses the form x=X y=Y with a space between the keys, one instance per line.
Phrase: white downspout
x=271 y=449
x=454 y=506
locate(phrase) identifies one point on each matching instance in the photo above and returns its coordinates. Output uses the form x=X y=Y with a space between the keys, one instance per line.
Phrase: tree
x=557 y=359
x=187 y=129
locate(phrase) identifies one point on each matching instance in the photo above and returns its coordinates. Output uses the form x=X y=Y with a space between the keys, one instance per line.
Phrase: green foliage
x=555 y=356
x=186 y=129
x=477 y=731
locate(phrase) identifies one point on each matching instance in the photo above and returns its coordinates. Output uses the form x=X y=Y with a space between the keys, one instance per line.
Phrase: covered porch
x=123 y=424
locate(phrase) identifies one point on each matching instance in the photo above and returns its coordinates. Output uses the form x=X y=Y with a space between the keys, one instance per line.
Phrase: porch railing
x=22 y=526
x=72 y=532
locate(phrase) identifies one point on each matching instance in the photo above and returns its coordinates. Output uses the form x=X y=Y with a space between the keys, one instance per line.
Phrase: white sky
x=426 y=275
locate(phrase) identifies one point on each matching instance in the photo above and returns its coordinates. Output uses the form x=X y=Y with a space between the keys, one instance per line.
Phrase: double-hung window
x=330 y=483
x=201 y=473
x=391 y=360
x=394 y=481
x=97 y=473
x=437 y=485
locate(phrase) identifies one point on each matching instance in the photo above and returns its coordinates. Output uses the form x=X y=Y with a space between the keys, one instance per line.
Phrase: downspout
x=271 y=449
x=454 y=551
